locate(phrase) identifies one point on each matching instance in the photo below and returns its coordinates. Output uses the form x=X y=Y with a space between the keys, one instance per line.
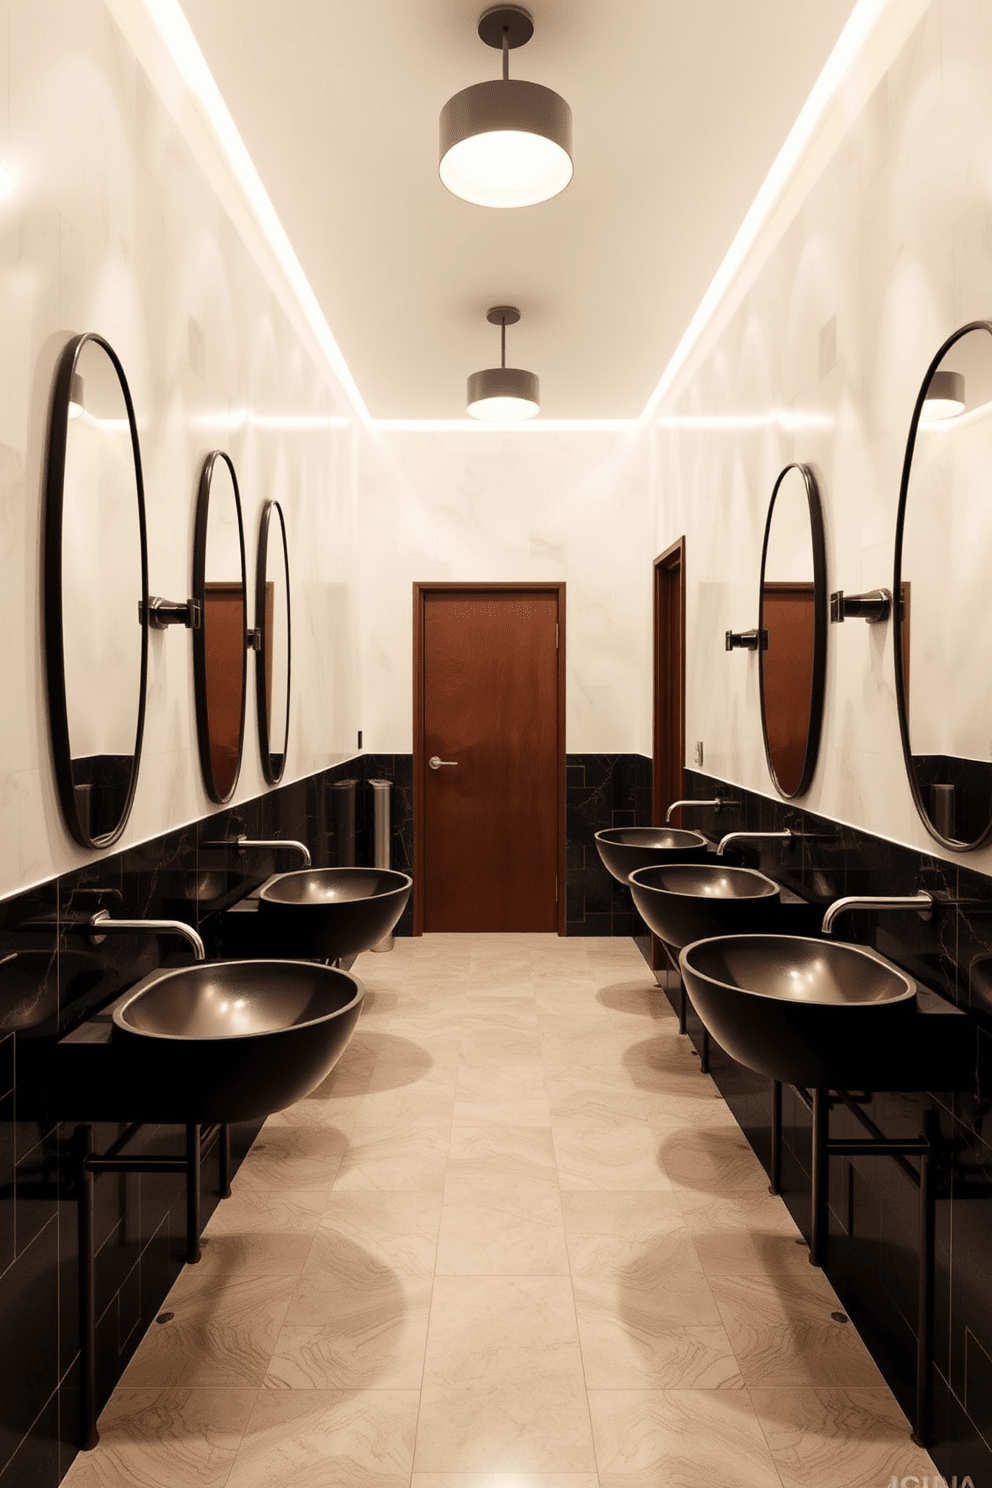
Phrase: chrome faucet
x=717 y=801
x=920 y=901
x=784 y=836
x=243 y=842
x=101 y=922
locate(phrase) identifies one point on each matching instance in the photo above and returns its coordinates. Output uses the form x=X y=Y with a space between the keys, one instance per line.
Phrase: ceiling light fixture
x=945 y=397
x=503 y=394
x=506 y=143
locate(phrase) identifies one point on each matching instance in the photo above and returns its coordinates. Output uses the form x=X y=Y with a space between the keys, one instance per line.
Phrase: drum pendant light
x=506 y=143
x=503 y=394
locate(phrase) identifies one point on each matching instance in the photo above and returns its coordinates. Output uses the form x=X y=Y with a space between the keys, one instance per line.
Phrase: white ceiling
x=679 y=110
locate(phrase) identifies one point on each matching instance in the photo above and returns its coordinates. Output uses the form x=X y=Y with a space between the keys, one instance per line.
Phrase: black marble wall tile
x=602 y=790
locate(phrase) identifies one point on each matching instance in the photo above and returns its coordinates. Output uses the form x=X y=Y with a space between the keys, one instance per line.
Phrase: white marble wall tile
x=893 y=244
x=113 y=227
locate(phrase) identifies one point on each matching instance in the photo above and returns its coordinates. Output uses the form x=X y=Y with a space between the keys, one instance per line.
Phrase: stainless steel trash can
x=382 y=855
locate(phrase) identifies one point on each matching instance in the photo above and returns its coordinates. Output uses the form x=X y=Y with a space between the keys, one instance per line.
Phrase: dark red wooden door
x=490 y=819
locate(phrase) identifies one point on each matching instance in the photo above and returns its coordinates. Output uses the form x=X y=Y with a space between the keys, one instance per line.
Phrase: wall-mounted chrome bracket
x=873 y=606
x=165 y=612
x=255 y=639
x=745 y=640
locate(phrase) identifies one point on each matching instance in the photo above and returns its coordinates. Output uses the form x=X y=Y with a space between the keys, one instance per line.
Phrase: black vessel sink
x=825 y=1014
x=683 y=902
x=218 y=1041
x=330 y=912
x=623 y=849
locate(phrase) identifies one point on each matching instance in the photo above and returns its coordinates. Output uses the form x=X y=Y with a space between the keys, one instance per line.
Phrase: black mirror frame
x=272 y=776
x=819 y=677
x=53 y=616
x=199 y=634
x=897 y=610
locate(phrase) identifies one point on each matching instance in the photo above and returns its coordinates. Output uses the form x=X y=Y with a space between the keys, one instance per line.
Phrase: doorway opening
x=669 y=694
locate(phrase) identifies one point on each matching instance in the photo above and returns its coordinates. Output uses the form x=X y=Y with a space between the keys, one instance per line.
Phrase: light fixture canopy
x=503 y=394
x=945 y=397
x=506 y=143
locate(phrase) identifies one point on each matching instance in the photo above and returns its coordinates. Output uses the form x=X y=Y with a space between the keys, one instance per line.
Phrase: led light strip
x=880 y=27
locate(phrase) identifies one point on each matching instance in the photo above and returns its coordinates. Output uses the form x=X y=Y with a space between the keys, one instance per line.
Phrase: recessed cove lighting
x=945 y=397
x=503 y=394
x=506 y=143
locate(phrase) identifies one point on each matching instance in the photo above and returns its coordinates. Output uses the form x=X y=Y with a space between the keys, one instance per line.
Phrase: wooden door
x=489 y=698
x=669 y=693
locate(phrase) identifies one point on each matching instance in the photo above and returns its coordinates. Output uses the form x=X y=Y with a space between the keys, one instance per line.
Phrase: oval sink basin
x=233 y=1040
x=818 y=1013
x=329 y=912
x=683 y=902
x=623 y=849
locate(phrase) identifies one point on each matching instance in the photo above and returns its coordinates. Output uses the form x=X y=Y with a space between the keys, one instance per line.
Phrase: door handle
x=436 y=763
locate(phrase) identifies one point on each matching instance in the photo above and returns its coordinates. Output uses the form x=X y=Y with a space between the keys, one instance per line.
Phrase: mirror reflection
x=219 y=644
x=95 y=591
x=272 y=657
x=942 y=634
x=792 y=627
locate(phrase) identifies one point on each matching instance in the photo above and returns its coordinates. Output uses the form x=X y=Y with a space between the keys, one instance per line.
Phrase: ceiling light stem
x=506 y=54
x=502 y=342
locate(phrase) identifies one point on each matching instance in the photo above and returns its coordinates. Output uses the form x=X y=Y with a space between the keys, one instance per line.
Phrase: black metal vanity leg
x=775 y=1186
x=923 y=1434
x=88 y=1434
x=818 y=1217
x=704 y=1053
x=192 y=1194
x=225 y=1161
x=682 y=1006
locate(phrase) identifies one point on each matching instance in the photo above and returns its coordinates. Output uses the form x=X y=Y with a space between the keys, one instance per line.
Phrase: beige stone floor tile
x=571 y=1103
x=489 y=1331
x=486 y=1158
x=626 y=1350
x=328 y=1439
x=494 y=1083
x=690 y=1111
x=715 y=1160
x=596 y=1048
x=336 y=1112
x=220 y=1339
x=488 y=1043
x=607 y=1155
x=664 y=1066
x=177 y=1438
x=292 y=1157
x=256 y=1211
x=510 y=1428
x=504 y=1480
x=840 y=1438
x=364 y=1342
x=399 y=1229
x=402 y=1160
x=781 y=1330
x=520 y=1233
x=679 y=1439
x=530 y=1110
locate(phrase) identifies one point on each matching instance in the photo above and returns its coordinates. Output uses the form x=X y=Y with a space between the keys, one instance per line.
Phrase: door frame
x=421 y=593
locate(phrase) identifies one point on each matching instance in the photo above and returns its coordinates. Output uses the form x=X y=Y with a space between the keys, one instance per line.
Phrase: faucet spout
x=784 y=836
x=276 y=843
x=717 y=801
x=101 y=923
x=920 y=901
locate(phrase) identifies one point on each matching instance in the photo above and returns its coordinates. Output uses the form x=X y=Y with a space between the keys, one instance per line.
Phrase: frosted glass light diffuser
x=945 y=397
x=506 y=143
x=503 y=394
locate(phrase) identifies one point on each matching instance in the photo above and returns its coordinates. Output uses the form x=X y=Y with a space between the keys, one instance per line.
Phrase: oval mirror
x=941 y=632
x=792 y=626
x=95 y=591
x=272 y=657
x=220 y=640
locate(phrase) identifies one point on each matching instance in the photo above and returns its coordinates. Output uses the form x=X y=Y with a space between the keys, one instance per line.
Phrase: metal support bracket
x=875 y=605
x=745 y=640
x=165 y=612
